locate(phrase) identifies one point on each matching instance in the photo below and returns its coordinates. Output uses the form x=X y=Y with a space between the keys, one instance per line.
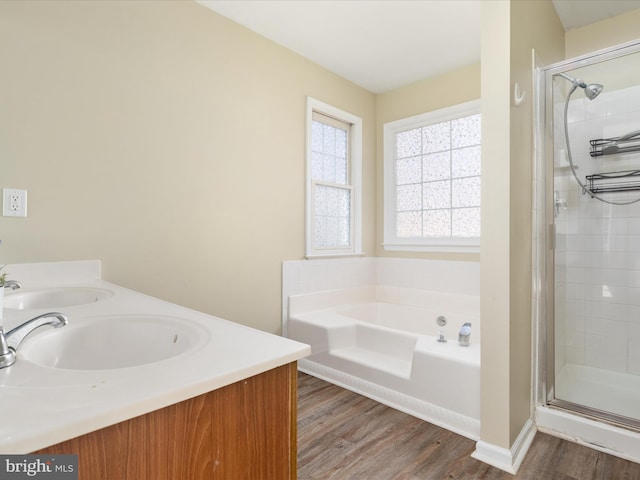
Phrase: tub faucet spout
x=464 y=335
x=10 y=341
x=12 y=284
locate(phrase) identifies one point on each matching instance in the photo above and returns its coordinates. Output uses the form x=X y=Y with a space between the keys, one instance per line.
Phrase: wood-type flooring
x=345 y=436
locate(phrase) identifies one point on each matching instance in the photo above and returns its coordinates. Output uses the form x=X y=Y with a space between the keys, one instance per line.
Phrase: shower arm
x=575 y=81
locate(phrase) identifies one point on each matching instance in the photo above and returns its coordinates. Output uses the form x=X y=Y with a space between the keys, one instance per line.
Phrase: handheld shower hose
x=591 y=91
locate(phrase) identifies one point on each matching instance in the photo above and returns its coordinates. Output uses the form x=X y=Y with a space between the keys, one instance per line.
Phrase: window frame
x=354 y=181
x=391 y=241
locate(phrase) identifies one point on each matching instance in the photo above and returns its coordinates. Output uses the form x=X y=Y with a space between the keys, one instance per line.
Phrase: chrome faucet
x=10 y=342
x=464 y=335
x=12 y=284
x=441 y=321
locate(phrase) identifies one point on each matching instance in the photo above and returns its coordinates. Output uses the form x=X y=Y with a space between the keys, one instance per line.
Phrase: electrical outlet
x=14 y=202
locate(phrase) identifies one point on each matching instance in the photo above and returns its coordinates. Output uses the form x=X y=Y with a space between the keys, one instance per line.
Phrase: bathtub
x=382 y=342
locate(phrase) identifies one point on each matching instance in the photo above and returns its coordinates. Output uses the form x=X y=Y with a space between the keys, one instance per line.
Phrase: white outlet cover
x=14 y=202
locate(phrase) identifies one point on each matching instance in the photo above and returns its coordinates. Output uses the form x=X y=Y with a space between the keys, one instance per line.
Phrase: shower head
x=591 y=91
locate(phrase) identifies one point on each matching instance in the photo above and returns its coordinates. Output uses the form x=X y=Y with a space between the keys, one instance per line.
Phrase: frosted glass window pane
x=332 y=229
x=317 y=165
x=465 y=131
x=332 y=200
x=409 y=197
x=436 y=138
x=341 y=143
x=465 y=192
x=409 y=224
x=341 y=172
x=333 y=216
x=344 y=203
x=436 y=166
x=408 y=144
x=444 y=183
x=437 y=223
x=328 y=168
x=329 y=153
x=316 y=136
x=465 y=162
x=437 y=195
x=408 y=170
x=344 y=232
x=329 y=139
x=466 y=222
x=320 y=231
x=321 y=201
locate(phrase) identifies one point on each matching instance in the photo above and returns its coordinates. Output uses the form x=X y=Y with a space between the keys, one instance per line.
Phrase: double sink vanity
x=140 y=388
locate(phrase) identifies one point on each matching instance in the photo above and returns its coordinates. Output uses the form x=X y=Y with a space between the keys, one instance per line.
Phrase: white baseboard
x=505 y=459
x=452 y=421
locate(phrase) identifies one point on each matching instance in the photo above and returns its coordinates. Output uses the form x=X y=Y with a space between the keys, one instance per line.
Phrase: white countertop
x=42 y=406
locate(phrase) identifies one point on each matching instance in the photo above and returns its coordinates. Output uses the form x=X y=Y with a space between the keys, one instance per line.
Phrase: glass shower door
x=595 y=199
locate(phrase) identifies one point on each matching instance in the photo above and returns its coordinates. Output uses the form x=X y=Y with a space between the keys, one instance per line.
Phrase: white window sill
x=333 y=255
x=395 y=247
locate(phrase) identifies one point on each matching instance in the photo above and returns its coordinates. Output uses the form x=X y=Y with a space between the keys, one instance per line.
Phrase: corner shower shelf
x=611 y=146
x=623 y=181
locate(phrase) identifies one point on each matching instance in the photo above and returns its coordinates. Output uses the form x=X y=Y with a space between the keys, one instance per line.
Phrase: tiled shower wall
x=597 y=253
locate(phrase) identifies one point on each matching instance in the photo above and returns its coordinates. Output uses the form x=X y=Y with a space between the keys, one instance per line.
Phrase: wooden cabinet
x=245 y=431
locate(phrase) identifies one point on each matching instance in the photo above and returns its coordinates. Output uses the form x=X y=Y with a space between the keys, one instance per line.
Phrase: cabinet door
x=259 y=440
x=246 y=430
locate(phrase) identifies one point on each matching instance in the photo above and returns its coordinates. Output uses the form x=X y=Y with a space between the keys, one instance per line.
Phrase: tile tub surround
x=443 y=276
x=64 y=404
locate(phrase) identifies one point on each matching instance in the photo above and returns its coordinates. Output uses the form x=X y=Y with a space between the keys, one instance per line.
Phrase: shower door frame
x=544 y=235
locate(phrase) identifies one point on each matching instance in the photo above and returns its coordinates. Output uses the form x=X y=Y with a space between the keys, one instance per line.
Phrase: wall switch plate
x=14 y=202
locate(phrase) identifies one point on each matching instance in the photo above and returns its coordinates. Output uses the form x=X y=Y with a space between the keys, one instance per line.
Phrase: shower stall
x=587 y=237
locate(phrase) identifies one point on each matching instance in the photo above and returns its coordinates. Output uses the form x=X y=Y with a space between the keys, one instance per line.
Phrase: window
x=334 y=159
x=432 y=181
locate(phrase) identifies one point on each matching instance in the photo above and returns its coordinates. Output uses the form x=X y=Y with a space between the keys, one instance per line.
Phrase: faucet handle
x=12 y=284
x=7 y=355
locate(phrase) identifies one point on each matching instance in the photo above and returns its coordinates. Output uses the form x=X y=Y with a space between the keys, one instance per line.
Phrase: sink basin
x=110 y=342
x=54 y=297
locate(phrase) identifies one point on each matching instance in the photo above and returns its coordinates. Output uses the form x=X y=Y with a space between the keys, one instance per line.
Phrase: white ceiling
x=578 y=13
x=385 y=44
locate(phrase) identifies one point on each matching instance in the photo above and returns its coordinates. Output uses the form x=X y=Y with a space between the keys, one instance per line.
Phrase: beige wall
x=166 y=141
x=534 y=25
x=606 y=33
x=495 y=242
x=458 y=86
x=510 y=30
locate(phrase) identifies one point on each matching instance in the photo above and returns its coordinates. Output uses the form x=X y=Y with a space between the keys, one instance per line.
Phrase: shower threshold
x=599 y=394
